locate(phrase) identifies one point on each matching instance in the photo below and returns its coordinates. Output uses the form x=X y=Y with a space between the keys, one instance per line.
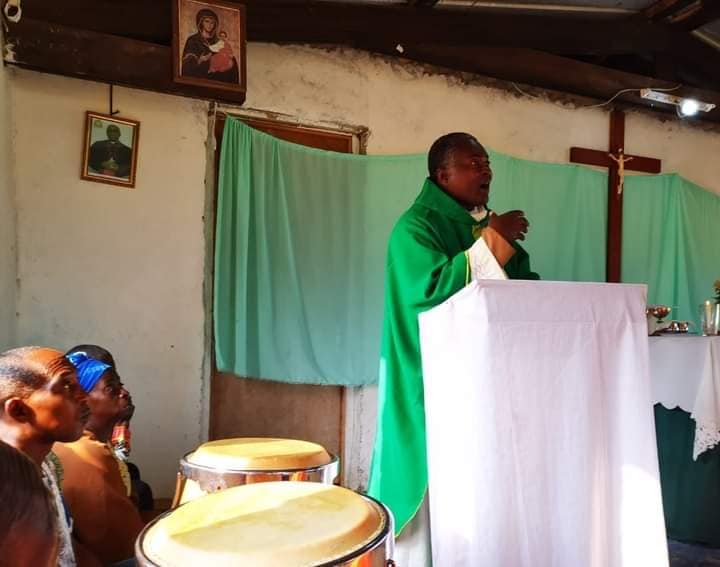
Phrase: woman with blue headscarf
x=96 y=483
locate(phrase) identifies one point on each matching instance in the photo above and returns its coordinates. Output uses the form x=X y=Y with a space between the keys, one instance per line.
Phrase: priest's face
x=466 y=176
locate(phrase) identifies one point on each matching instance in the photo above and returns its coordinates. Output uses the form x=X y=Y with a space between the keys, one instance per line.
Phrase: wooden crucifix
x=617 y=162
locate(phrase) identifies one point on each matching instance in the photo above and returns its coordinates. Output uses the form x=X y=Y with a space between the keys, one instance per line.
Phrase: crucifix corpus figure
x=617 y=161
x=620 y=160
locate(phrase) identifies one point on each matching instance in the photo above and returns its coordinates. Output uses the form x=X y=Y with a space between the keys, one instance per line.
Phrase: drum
x=221 y=464
x=273 y=524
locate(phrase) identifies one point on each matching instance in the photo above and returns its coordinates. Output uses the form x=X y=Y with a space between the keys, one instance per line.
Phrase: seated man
x=27 y=516
x=41 y=402
x=96 y=483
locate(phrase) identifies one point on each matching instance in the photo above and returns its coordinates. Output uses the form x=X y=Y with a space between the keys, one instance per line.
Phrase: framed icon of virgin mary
x=209 y=44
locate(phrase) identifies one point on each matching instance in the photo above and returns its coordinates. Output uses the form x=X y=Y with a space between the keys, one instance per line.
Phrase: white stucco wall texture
x=406 y=108
x=8 y=239
x=122 y=268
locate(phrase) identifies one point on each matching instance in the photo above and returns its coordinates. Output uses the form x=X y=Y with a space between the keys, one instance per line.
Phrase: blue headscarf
x=89 y=370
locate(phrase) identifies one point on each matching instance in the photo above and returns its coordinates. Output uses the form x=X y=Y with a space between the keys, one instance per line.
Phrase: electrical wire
x=608 y=101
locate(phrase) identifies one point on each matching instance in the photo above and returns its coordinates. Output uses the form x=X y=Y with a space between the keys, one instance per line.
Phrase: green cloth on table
x=690 y=489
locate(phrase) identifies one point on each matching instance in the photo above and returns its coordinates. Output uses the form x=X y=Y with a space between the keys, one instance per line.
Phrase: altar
x=685 y=373
x=540 y=441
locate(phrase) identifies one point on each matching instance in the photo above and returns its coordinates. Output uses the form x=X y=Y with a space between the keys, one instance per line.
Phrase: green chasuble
x=426 y=264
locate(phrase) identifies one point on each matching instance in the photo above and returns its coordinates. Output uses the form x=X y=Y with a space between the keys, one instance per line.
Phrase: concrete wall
x=8 y=268
x=124 y=268
x=118 y=267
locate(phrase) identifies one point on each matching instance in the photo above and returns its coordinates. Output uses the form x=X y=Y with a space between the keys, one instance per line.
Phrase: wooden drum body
x=225 y=463
x=272 y=524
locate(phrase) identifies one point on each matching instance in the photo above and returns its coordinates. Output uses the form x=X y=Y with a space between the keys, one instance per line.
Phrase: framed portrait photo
x=209 y=44
x=110 y=150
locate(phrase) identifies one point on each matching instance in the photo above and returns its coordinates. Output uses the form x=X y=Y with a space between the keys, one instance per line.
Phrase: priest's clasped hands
x=512 y=225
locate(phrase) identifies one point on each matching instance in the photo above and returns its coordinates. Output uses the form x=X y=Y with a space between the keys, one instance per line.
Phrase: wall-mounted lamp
x=684 y=106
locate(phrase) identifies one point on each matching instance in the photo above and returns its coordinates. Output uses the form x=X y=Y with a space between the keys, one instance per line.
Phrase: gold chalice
x=659 y=312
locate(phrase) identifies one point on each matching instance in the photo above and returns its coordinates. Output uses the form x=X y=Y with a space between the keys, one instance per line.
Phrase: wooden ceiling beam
x=663 y=8
x=708 y=12
x=83 y=54
x=348 y=23
x=343 y=23
x=688 y=15
x=137 y=19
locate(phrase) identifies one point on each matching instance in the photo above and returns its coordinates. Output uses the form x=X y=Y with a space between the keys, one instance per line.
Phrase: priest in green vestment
x=443 y=241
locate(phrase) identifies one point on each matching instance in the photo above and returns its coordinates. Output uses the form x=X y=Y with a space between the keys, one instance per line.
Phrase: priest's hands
x=511 y=225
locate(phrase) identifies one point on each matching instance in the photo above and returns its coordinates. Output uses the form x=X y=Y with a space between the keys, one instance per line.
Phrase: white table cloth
x=685 y=372
x=540 y=431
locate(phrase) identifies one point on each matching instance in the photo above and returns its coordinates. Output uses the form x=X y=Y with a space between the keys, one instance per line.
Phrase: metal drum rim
x=184 y=463
x=388 y=531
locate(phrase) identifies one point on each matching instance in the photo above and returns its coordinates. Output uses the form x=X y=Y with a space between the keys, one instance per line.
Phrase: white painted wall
x=8 y=271
x=406 y=109
x=124 y=268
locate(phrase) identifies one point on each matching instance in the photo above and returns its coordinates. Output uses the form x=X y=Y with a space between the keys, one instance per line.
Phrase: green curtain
x=302 y=235
x=671 y=241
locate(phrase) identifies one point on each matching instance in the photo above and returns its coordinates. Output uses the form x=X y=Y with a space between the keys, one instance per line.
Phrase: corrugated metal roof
x=710 y=33
x=618 y=5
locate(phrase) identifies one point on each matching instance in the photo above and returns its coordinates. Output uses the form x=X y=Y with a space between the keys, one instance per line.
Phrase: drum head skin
x=259 y=454
x=273 y=524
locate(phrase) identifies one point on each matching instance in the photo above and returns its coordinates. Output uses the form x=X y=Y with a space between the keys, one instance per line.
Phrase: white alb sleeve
x=483 y=265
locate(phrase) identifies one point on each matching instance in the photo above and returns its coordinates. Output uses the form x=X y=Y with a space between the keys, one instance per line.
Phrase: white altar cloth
x=685 y=371
x=540 y=431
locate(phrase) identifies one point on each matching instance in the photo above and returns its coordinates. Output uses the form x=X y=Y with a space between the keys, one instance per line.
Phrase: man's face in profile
x=58 y=409
x=113 y=133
